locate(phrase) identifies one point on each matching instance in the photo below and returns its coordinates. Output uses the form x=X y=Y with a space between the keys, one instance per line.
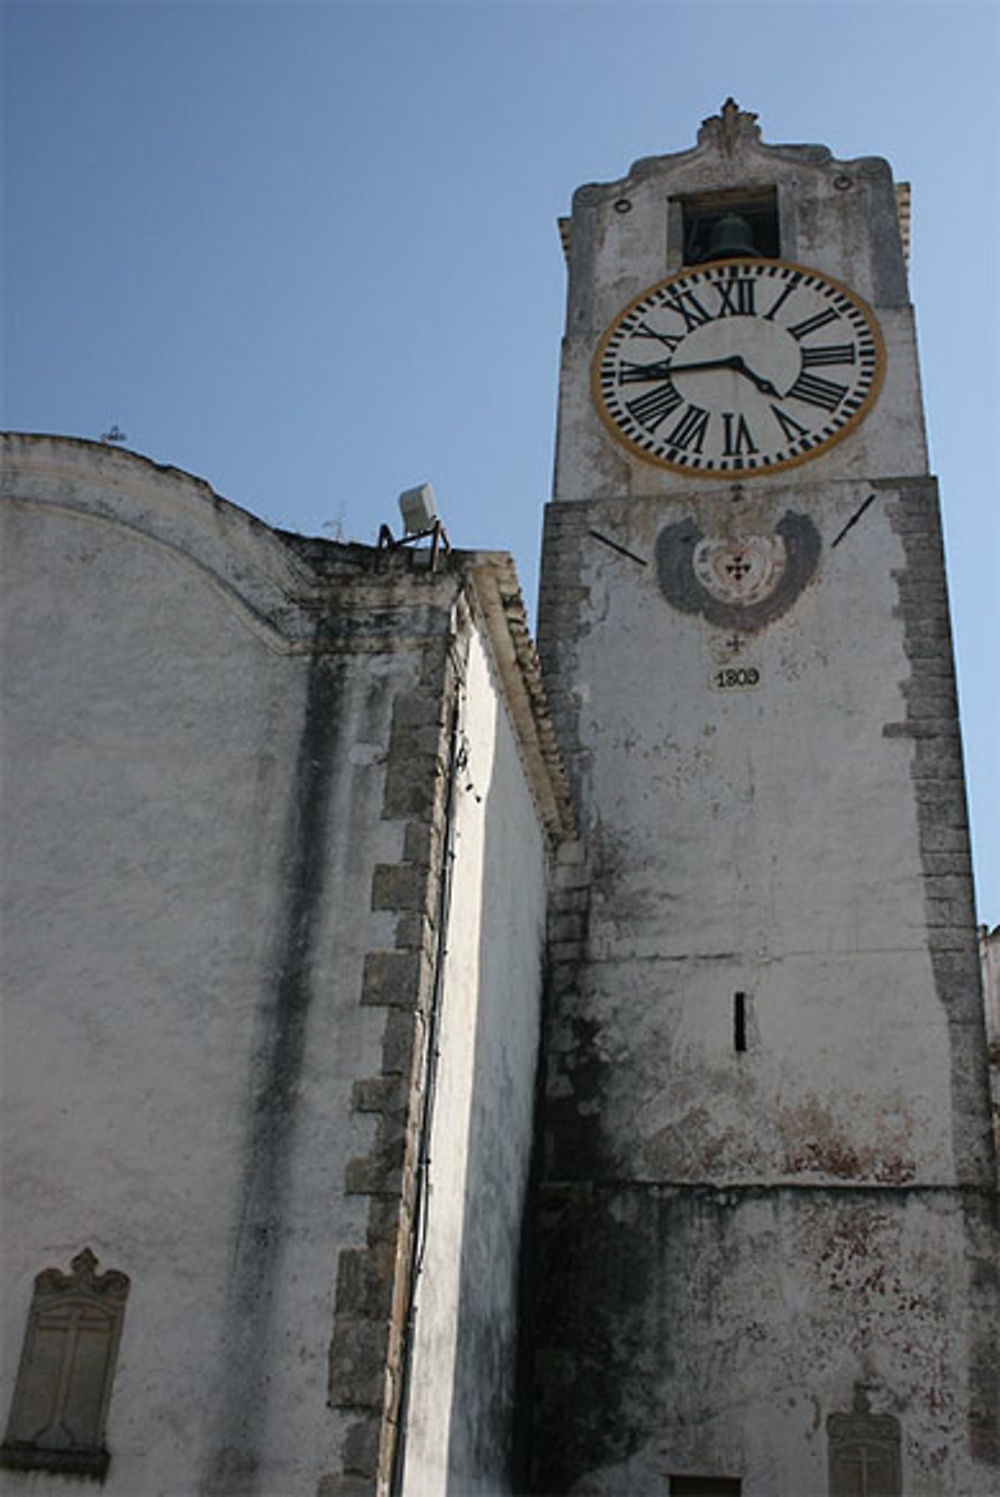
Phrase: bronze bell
x=731 y=235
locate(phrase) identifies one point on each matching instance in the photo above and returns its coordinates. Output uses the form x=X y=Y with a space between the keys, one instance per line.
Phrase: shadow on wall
x=500 y=1133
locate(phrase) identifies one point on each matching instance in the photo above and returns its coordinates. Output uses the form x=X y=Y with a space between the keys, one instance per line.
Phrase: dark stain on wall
x=592 y=1397
x=646 y=1301
x=274 y=1088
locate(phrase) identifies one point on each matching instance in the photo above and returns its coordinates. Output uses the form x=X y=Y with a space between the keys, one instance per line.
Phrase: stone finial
x=728 y=127
x=84 y=1280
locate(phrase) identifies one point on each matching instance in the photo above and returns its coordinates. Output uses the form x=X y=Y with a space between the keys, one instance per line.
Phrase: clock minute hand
x=732 y=361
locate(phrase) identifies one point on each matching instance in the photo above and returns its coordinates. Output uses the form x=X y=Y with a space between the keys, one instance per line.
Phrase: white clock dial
x=738 y=366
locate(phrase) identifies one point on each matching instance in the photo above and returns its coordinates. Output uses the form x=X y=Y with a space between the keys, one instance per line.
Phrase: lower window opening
x=705 y=1486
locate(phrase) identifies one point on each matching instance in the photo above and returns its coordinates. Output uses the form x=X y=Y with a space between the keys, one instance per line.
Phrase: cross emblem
x=738 y=568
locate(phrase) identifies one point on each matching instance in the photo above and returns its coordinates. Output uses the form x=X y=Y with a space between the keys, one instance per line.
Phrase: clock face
x=738 y=366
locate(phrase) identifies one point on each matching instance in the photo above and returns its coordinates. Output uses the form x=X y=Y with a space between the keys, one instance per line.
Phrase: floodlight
x=417 y=508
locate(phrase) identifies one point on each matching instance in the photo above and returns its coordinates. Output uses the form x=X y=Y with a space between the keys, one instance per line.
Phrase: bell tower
x=765 y=1253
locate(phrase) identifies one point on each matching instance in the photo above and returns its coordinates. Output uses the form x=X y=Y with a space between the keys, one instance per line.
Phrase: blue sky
x=256 y=237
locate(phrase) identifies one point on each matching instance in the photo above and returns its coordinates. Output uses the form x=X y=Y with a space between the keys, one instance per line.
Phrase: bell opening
x=724 y=226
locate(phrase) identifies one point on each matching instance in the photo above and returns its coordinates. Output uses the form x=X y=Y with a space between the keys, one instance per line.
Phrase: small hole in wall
x=739 y=1022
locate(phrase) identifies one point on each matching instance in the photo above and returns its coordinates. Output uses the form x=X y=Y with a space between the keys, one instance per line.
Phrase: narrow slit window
x=739 y=1022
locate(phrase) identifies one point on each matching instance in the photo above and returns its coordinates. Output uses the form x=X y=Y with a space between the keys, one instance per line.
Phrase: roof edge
x=500 y=604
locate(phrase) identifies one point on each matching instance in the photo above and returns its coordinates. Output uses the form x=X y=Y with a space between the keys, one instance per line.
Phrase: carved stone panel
x=740 y=582
x=864 y=1453
x=67 y=1366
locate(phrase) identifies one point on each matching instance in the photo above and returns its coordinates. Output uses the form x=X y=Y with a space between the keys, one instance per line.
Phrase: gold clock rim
x=731 y=475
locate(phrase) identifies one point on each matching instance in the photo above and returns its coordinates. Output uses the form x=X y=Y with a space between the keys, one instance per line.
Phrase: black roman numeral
x=690 y=308
x=737 y=438
x=669 y=340
x=653 y=407
x=634 y=374
x=803 y=329
x=793 y=431
x=689 y=433
x=736 y=296
x=780 y=301
x=829 y=353
x=816 y=391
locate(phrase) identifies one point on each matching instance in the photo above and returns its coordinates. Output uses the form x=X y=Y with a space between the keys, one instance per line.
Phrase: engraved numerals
x=736 y=678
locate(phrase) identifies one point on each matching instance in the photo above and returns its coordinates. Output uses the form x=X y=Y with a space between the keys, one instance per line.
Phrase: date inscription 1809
x=736 y=676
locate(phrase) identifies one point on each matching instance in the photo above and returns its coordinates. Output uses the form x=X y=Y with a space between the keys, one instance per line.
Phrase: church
x=441 y=1066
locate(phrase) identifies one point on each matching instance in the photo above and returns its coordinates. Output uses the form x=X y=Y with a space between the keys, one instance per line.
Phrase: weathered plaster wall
x=198 y=716
x=762 y=828
x=436 y=729
x=802 y=843
x=461 y=1405
x=768 y=1171
x=227 y=755
x=724 y=1326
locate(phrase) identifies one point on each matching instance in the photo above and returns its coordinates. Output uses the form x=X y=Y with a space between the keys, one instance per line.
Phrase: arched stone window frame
x=67 y=1367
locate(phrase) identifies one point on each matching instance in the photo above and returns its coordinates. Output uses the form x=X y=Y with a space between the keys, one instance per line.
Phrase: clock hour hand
x=764 y=385
x=731 y=361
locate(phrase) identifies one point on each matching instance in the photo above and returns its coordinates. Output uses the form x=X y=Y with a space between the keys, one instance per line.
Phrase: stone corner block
x=346 y=1484
x=379 y=1173
x=362 y=1445
x=393 y=979
x=365 y=1283
x=400 y=886
x=402 y=1041
x=359 y=1355
x=571 y=853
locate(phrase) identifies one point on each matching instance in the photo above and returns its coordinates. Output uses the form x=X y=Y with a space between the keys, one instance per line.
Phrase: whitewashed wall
x=458 y=1439
x=192 y=816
